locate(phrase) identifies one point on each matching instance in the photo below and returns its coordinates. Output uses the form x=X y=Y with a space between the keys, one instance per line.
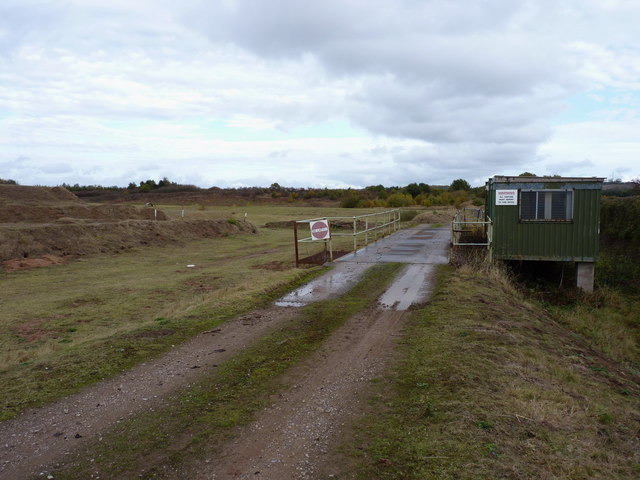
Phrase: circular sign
x=319 y=230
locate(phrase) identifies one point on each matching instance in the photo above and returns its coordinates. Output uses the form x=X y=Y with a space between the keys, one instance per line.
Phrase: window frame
x=548 y=204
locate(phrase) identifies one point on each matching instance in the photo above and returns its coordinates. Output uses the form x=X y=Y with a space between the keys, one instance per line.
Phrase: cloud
x=235 y=91
x=435 y=71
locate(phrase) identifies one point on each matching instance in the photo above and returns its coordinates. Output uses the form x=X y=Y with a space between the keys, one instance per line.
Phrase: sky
x=331 y=93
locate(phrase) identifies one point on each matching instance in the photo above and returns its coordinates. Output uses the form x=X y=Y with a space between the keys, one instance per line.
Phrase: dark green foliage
x=415 y=189
x=620 y=219
x=350 y=201
x=459 y=184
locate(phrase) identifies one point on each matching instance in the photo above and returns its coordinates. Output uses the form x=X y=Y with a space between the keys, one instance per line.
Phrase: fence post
x=295 y=239
x=366 y=231
x=355 y=234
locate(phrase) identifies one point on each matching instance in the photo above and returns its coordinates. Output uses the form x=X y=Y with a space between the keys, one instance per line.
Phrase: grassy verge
x=608 y=318
x=67 y=326
x=156 y=443
x=491 y=387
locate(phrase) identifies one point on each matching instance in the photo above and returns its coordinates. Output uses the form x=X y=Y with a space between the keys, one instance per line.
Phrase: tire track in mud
x=41 y=436
x=291 y=437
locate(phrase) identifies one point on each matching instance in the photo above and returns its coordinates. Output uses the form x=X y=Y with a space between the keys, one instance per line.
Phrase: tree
x=164 y=182
x=459 y=184
x=424 y=188
x=413 y=189
x=527 y=174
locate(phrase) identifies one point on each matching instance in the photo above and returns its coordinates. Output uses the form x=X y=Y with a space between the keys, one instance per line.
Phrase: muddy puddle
x=421 y=247
x=339 y=279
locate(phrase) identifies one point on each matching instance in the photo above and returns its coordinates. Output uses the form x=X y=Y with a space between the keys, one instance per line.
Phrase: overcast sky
x=317 y=93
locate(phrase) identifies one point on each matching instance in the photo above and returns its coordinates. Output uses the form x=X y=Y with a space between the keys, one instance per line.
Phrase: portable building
x=546 y=218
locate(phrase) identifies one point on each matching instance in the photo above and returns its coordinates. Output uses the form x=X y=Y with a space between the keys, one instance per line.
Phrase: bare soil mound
x=38 y=224
x=21 y=194
x=32 y=241
x=76 y=213
x=23 y=204
x=25 y=263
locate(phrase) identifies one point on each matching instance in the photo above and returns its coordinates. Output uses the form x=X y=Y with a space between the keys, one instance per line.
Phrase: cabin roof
x=507 y=179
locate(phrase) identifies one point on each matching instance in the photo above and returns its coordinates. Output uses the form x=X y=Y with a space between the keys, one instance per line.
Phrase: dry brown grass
x=438 y=215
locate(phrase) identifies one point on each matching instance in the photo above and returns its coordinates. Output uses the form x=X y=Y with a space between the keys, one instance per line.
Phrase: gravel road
x=292 y=437
x=40 y=436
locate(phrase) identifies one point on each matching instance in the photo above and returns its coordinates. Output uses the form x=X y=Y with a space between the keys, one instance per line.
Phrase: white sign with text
x=506 y=197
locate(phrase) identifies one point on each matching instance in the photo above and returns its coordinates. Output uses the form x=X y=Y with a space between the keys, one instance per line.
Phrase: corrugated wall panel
x=576 y=240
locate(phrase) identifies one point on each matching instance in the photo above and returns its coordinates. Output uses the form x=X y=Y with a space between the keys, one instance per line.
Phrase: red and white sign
x=319 y=230
x=506 y=197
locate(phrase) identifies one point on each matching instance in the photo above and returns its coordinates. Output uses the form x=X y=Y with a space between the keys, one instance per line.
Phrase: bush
x=620 y=219
x=350 y=201
x=397 y=200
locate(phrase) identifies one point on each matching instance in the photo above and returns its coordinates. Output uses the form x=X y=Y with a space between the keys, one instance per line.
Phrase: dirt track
x=44 y=435
x=291 y=438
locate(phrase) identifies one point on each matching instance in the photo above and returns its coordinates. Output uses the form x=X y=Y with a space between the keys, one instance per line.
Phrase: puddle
x=413 y=286
x=405 y=246
x=328 y=285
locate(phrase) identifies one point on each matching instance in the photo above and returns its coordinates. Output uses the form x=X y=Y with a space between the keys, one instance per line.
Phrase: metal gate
x=363 y=229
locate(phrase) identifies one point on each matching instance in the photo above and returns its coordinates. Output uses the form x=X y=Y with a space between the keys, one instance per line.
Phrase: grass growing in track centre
x=154 y=444
x=491 y=386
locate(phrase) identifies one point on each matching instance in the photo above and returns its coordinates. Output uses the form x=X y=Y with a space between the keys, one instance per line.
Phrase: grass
x=260 y=215
x=491 y=387
x=609 y=321
x=157 y=443
x=67 y=326
x=608 y=318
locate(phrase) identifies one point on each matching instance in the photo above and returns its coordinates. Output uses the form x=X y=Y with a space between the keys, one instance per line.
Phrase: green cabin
x=546 y=218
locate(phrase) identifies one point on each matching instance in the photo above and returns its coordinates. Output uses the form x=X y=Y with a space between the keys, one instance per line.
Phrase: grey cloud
x=438 y=71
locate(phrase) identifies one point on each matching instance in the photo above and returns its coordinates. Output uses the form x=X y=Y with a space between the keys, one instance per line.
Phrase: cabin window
x=546 y=205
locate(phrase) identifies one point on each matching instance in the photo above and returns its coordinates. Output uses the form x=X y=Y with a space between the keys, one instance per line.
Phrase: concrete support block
x=585 y=275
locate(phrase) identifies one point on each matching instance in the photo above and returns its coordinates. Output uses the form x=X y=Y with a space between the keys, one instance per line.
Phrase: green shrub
x=350 y=201
x=620 y=219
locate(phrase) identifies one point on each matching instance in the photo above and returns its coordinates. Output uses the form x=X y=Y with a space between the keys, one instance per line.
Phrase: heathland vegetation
x=419 y=194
